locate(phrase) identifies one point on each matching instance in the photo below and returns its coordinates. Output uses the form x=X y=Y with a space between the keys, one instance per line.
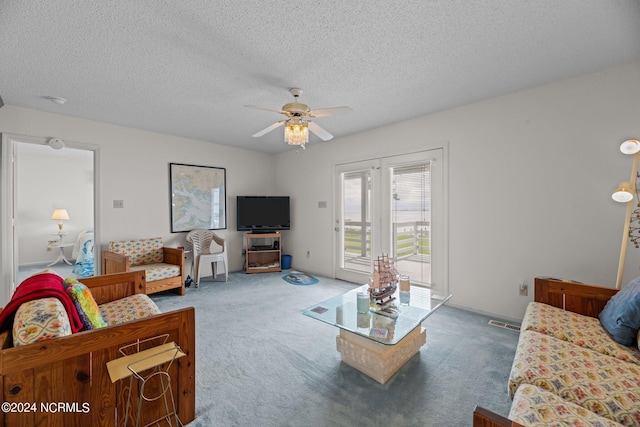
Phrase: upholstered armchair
x=163 y=267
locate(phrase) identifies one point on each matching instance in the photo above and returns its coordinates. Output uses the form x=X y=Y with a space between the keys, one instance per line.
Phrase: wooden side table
x=58 y=244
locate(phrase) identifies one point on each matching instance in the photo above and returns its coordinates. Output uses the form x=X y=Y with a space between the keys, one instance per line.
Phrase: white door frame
x=8 y=198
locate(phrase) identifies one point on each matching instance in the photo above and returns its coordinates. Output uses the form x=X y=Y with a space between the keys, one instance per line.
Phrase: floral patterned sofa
x=568 y=368
x=40 y=319
x=163 y=267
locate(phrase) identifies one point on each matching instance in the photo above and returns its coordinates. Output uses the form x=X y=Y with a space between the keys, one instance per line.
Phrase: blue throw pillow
x=621 y=315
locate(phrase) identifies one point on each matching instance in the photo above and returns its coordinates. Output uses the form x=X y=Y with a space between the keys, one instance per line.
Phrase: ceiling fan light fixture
x=296 y=132
x=297 y=124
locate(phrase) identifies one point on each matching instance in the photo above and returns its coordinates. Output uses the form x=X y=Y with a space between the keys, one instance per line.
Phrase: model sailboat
x=384 y=283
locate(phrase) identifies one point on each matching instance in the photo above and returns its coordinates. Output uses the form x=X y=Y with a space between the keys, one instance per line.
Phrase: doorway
x=38 y=177
x=393 y=205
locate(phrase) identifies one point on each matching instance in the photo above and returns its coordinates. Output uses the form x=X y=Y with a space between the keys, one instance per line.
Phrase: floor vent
x=504 y=325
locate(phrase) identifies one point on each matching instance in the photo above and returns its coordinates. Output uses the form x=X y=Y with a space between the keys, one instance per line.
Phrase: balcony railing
x=410 y=238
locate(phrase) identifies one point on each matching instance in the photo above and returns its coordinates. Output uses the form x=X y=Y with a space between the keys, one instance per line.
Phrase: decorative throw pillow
x=40 y=319
x=137 y=306
x=85 y=304
x=621 y=315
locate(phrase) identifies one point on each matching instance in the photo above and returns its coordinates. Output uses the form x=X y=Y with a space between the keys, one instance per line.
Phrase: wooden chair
x=163 y=267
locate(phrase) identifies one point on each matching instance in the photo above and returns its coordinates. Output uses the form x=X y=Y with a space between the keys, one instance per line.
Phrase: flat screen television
x=263 y=213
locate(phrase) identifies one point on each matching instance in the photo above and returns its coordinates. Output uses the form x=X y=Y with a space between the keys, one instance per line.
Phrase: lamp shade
x=630 y=146
x=623 y=193
x=60 y=214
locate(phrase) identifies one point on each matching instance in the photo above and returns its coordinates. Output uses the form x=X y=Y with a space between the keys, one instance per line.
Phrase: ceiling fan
x=297 y=123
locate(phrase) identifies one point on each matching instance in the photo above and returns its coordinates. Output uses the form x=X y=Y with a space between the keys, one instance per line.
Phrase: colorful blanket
x=43 y=285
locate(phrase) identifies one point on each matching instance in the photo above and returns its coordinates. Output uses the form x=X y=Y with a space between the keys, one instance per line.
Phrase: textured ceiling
x=187 y=67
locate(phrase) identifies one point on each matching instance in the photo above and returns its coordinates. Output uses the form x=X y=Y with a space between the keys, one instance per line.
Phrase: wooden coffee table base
x=376 y=360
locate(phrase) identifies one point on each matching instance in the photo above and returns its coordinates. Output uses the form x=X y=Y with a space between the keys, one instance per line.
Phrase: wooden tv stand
x=261 y=256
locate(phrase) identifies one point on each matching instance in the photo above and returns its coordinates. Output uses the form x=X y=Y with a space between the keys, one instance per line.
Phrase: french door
x=396 y=206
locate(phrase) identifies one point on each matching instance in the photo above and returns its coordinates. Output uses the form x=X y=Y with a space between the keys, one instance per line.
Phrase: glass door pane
x=357 y=221
x=355 y=199
x=414 y=217
x=411 y=221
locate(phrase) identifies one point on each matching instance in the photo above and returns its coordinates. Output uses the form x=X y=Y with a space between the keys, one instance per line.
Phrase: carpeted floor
x=260 y=362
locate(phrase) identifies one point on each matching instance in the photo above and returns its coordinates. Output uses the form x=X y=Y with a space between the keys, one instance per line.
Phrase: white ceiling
x=187 y=67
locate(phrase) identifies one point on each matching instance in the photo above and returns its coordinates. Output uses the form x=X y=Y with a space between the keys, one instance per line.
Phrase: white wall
x=530 y=179
x=530 y=182
x=134 y=167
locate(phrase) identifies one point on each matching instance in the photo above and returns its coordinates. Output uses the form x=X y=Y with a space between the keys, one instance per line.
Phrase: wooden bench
x=70 y=372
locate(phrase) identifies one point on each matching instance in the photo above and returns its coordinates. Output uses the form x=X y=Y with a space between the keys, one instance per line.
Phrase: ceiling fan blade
x=323 y=112
x=267 y=109
x=323 y=134
x=269 y=129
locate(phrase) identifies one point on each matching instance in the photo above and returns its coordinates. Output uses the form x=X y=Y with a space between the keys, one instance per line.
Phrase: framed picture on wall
x=198 y=197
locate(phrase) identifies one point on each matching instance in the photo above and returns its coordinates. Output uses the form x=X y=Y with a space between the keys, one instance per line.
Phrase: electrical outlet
x=118 y=203
x=524 y=289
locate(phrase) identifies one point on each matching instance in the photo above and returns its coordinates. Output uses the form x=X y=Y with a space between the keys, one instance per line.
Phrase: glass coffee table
x=378 y=342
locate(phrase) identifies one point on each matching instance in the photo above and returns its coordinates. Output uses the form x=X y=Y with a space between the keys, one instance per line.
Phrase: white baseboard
x=487 y=313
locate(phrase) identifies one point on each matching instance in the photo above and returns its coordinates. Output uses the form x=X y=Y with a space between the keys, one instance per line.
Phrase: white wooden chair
x=201 y=241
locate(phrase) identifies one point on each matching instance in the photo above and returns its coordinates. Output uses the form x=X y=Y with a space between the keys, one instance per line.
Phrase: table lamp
x=60 y=214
